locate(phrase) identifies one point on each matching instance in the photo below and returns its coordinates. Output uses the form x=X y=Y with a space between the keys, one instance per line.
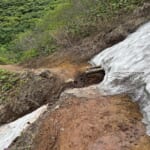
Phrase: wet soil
x=92 y=122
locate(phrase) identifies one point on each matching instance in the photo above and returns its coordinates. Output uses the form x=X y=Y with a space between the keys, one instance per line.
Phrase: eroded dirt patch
x=12 y=68
x=95 y=123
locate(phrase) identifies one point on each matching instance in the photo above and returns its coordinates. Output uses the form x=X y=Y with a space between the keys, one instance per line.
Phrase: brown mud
x=85 y=120
x=93 y=122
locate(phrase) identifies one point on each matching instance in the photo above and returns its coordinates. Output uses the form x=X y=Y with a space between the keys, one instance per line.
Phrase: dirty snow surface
x=127 y=68
x=10 y=132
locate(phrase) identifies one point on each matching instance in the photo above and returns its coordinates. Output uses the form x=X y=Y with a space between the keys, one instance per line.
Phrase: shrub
x=44 y=26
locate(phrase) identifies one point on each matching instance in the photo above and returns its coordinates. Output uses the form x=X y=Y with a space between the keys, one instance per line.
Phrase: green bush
x=28 y=55
x=7 y=80
x=18 y=17
x=3 y=61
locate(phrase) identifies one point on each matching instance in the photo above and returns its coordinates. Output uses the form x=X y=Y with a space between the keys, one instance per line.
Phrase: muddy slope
x=93 y=122
x=85 y=120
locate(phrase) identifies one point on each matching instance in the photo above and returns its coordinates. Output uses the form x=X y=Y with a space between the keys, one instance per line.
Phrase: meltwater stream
x=127 y=69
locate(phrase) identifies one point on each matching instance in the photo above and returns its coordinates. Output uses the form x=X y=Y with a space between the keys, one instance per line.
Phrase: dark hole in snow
x=91 y=76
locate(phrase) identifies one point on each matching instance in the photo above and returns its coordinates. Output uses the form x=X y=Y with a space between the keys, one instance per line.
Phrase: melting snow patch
x=127 y=69
x=9 y=132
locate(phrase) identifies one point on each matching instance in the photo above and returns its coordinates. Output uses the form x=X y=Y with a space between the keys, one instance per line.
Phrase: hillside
x=52 y=91
x=18 y=18
x=33 y=28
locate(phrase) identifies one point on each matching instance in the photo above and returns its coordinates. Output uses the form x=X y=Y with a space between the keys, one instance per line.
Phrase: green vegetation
x=18 y=17
x=29 y=28
x=7 y=83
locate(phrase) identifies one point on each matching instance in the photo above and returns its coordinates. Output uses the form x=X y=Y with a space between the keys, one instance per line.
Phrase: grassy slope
x=17 y=18
x=31 y=27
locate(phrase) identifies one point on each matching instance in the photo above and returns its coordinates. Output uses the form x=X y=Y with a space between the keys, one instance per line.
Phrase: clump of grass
x=3 y=61
x=8 y=81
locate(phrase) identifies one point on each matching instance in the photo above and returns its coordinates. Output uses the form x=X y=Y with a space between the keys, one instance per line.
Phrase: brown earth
x=65 y=70
x=89 y=121
x=36 y=87
x=12 y=68
x=65 y=63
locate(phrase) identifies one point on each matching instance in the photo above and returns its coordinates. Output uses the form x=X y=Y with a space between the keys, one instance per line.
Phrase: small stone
x=57 y=107
x=62 y=129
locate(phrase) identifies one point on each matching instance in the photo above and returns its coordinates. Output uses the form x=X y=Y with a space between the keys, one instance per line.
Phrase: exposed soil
x=65 y=70
x=12 y=68
x=89 y=121
x=37 y=87
x=84 y=120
